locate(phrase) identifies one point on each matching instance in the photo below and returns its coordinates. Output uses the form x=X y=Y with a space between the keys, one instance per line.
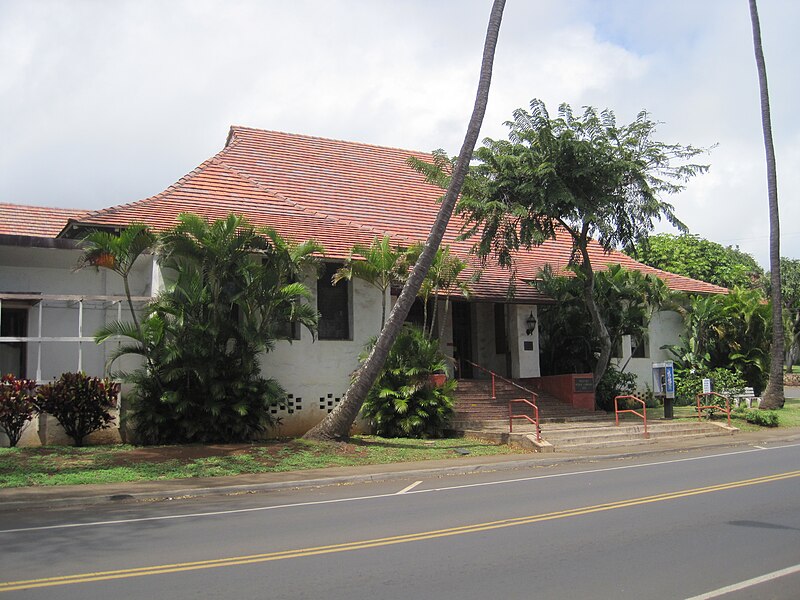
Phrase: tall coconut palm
x=337 y=424
x=773 y=396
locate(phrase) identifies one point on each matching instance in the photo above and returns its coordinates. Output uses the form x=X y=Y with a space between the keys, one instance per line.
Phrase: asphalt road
x=671 y=526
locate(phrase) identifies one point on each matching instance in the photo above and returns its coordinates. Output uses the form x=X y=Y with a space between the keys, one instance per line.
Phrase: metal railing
x=642 y=414
x=713 y=407
x=511 y=416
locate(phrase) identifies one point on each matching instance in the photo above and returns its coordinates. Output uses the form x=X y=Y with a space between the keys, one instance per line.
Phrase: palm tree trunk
x=337 y=424
x=773 y=396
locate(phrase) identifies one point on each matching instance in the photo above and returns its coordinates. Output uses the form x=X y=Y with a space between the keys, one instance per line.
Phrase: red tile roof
x=340 y=193
x=35 y=221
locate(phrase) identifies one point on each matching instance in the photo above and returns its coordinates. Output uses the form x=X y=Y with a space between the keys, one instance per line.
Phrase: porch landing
x=563 y=428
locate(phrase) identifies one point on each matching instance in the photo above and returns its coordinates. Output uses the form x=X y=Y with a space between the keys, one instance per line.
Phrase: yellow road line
x=387 y=541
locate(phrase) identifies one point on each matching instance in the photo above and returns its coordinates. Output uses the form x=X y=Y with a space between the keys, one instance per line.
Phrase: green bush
x=403 y=402
x=80 y=403
x=614 y=383
x=764 y=418
x=17 y=408
x=688 y=384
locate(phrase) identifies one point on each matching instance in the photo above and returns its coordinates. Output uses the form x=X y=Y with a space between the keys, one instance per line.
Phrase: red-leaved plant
x=17 y=407
x=80 y=403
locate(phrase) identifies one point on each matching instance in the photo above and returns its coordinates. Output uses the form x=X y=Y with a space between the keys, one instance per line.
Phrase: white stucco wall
x=524 y=347
x=316 y=373
x=664 y=330
x=52 y=271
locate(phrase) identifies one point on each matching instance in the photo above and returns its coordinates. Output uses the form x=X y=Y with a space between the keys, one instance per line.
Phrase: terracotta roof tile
x=35 y=221
x=340 y=193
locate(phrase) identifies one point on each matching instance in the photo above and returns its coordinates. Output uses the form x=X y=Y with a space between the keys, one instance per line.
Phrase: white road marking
x=379 y=496
x=746 y=584
x=760 y=447
x=408 y=488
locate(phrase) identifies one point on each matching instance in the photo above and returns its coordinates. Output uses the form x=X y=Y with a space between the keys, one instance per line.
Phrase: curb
x=461 y=469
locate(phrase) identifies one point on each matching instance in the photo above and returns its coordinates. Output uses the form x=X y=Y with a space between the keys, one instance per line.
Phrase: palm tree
x=117 y=253
x=337 y=424
x=444 y=279
x=233 y=289
x=773 y=396
x=379 y=264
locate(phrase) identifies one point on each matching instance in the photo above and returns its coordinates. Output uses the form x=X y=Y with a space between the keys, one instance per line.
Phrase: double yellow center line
x=386 y=541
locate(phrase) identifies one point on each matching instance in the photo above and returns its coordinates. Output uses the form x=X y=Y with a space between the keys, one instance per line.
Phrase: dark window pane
x=500 y=341
x=333 y=305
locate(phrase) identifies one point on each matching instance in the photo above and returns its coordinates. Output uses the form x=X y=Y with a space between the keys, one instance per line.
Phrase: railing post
x=494 y=394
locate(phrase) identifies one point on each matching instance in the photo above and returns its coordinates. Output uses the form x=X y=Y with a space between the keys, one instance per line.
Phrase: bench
x=747 y=396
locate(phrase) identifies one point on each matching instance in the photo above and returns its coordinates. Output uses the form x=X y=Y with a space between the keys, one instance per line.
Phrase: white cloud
x=107 y=102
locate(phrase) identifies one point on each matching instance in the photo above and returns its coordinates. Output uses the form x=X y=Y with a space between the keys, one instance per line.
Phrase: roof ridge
x=298 y=205
x=235 y=128
x=42 y=207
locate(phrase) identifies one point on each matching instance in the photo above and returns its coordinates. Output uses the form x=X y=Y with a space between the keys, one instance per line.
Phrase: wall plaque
x=584 y=384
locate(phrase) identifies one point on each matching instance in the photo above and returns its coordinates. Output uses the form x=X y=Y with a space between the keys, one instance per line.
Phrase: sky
x=109 y=101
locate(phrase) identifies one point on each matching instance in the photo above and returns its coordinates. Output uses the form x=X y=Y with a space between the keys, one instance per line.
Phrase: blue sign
x=669 y=378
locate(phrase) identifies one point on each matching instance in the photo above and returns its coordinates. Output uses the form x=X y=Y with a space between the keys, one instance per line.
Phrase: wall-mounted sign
x=584 y=384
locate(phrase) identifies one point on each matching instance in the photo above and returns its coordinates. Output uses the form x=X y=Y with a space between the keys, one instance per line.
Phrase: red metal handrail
x=511 y=416
x=713 y=407
x=642 y=414
x=534 y=420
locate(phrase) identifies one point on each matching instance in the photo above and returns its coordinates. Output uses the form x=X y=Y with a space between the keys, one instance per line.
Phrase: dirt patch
x=265 y=452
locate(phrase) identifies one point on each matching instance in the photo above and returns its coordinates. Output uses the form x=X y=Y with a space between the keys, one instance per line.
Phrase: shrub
x=614 y=383
x=688 y=384
x=80 y=403
x=764 y=418
x=17 y=408
x=403 y=402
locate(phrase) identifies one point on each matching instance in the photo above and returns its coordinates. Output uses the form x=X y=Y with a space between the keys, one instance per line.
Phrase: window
x=640 y=346
x=333 y=304
x=289 y=330
x=13 y=323
x=500 y=340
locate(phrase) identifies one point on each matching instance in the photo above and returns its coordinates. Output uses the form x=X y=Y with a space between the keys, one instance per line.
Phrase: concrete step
x=574 y=435
x=611 y=435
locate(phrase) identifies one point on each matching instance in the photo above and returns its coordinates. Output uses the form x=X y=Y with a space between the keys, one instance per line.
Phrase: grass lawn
x=58 y=465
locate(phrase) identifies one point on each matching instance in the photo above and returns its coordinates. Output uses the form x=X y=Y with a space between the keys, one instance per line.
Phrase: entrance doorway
x=462 y=338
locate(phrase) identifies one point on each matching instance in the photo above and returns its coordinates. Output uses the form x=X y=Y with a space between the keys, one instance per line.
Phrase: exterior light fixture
x=531 y=323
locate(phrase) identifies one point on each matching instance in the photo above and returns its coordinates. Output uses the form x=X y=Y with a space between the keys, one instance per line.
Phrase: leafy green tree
x=626 y=299
x=233 y=289
x=727 y=331
x=337 y=424
x=773 y=396
x=790 y=292
x=404 y=402
x=582 y=176
x=702 y=259
x=381 y=265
